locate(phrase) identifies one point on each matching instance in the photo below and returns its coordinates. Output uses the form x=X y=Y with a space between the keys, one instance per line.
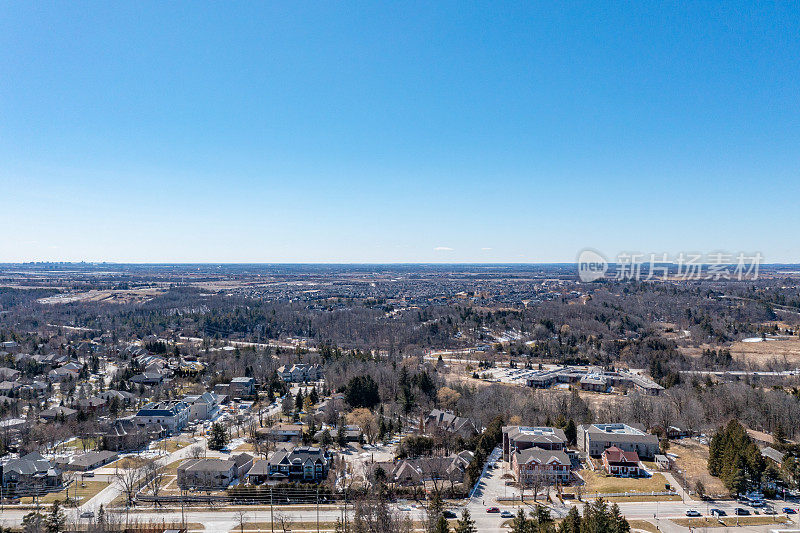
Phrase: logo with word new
x=591 y=265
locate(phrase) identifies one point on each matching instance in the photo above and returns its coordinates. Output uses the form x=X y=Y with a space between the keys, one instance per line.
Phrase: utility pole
x=317 y=508
x=183 y=515
x=271 y=516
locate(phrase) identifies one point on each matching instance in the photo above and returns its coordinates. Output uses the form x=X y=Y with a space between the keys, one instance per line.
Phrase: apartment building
x=594 y=439
x=517 y=438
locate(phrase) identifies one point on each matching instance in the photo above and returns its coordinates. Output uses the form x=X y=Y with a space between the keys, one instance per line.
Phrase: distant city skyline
x=385 y=133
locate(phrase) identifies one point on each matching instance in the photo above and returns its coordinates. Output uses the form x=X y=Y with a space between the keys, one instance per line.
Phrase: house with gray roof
x=305 y=463
x=450 y=423
x=547 y=465
x=58 y=413
x=172 y=415
x=206 y=474
x=202 y=406
x=90 y=460
x=29 y=475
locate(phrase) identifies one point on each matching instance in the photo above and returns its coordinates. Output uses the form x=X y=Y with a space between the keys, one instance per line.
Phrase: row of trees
x=735 y=459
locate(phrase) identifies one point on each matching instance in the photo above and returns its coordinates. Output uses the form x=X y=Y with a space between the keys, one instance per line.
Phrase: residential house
x=303 y=463
x=300 y=373
x=258 y=473
x=30 y=474
x=58 y=413
x=9 y=374
x=243 y=463
x=242 y=387
x=8 y=388
x=450 y=423
x=90 y=460
x=202 y=406
x=91 y=405
x=773 y=455
x=620 y=463
x=282 y=432
x=148 y=378
x=125 y=435
x=173 y=415
x=425 y=469
x=351 y=433
x=122 y=397
x=70 y=371
x=206 y=474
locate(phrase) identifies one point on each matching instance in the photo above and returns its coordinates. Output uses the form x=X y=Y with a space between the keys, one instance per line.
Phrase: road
x=223 y=521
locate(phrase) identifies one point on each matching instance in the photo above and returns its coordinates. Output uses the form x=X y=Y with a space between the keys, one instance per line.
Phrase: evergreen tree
x=56 y=520
x=520 y=523
x=571 y=522
x=465 y=524
x=735 y=458
x=33 y=522
x=571 y=432
x=362 y=391
x=441 y=526
x=218 y=438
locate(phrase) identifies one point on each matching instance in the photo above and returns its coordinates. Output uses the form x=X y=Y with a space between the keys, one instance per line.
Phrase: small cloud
x=443 y=249
x=485 y=249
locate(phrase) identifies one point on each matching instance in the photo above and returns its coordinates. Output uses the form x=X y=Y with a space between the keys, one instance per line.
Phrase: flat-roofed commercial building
x=594 y=439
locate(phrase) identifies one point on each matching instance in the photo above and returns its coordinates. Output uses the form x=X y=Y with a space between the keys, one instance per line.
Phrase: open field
x=104 y=296
x=692 y=462
x=596 y=481
x=784 y=350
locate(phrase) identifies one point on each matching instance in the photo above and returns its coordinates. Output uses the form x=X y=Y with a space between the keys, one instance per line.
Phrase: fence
x=249 y=495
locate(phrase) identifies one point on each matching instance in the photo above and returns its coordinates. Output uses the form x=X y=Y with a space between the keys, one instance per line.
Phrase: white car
x=692 y=512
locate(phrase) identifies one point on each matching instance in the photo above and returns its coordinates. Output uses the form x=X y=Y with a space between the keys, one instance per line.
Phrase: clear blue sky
x=398 y=132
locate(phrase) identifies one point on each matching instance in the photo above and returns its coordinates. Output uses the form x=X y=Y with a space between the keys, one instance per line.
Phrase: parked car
x=717 y=512
x=757 y=503
x=789 y=510
x=507 y=514
x=493 y=510
x=769 y=510
x=741 y=511
x=447 y=513
x=692 y=512
x=87 y=514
